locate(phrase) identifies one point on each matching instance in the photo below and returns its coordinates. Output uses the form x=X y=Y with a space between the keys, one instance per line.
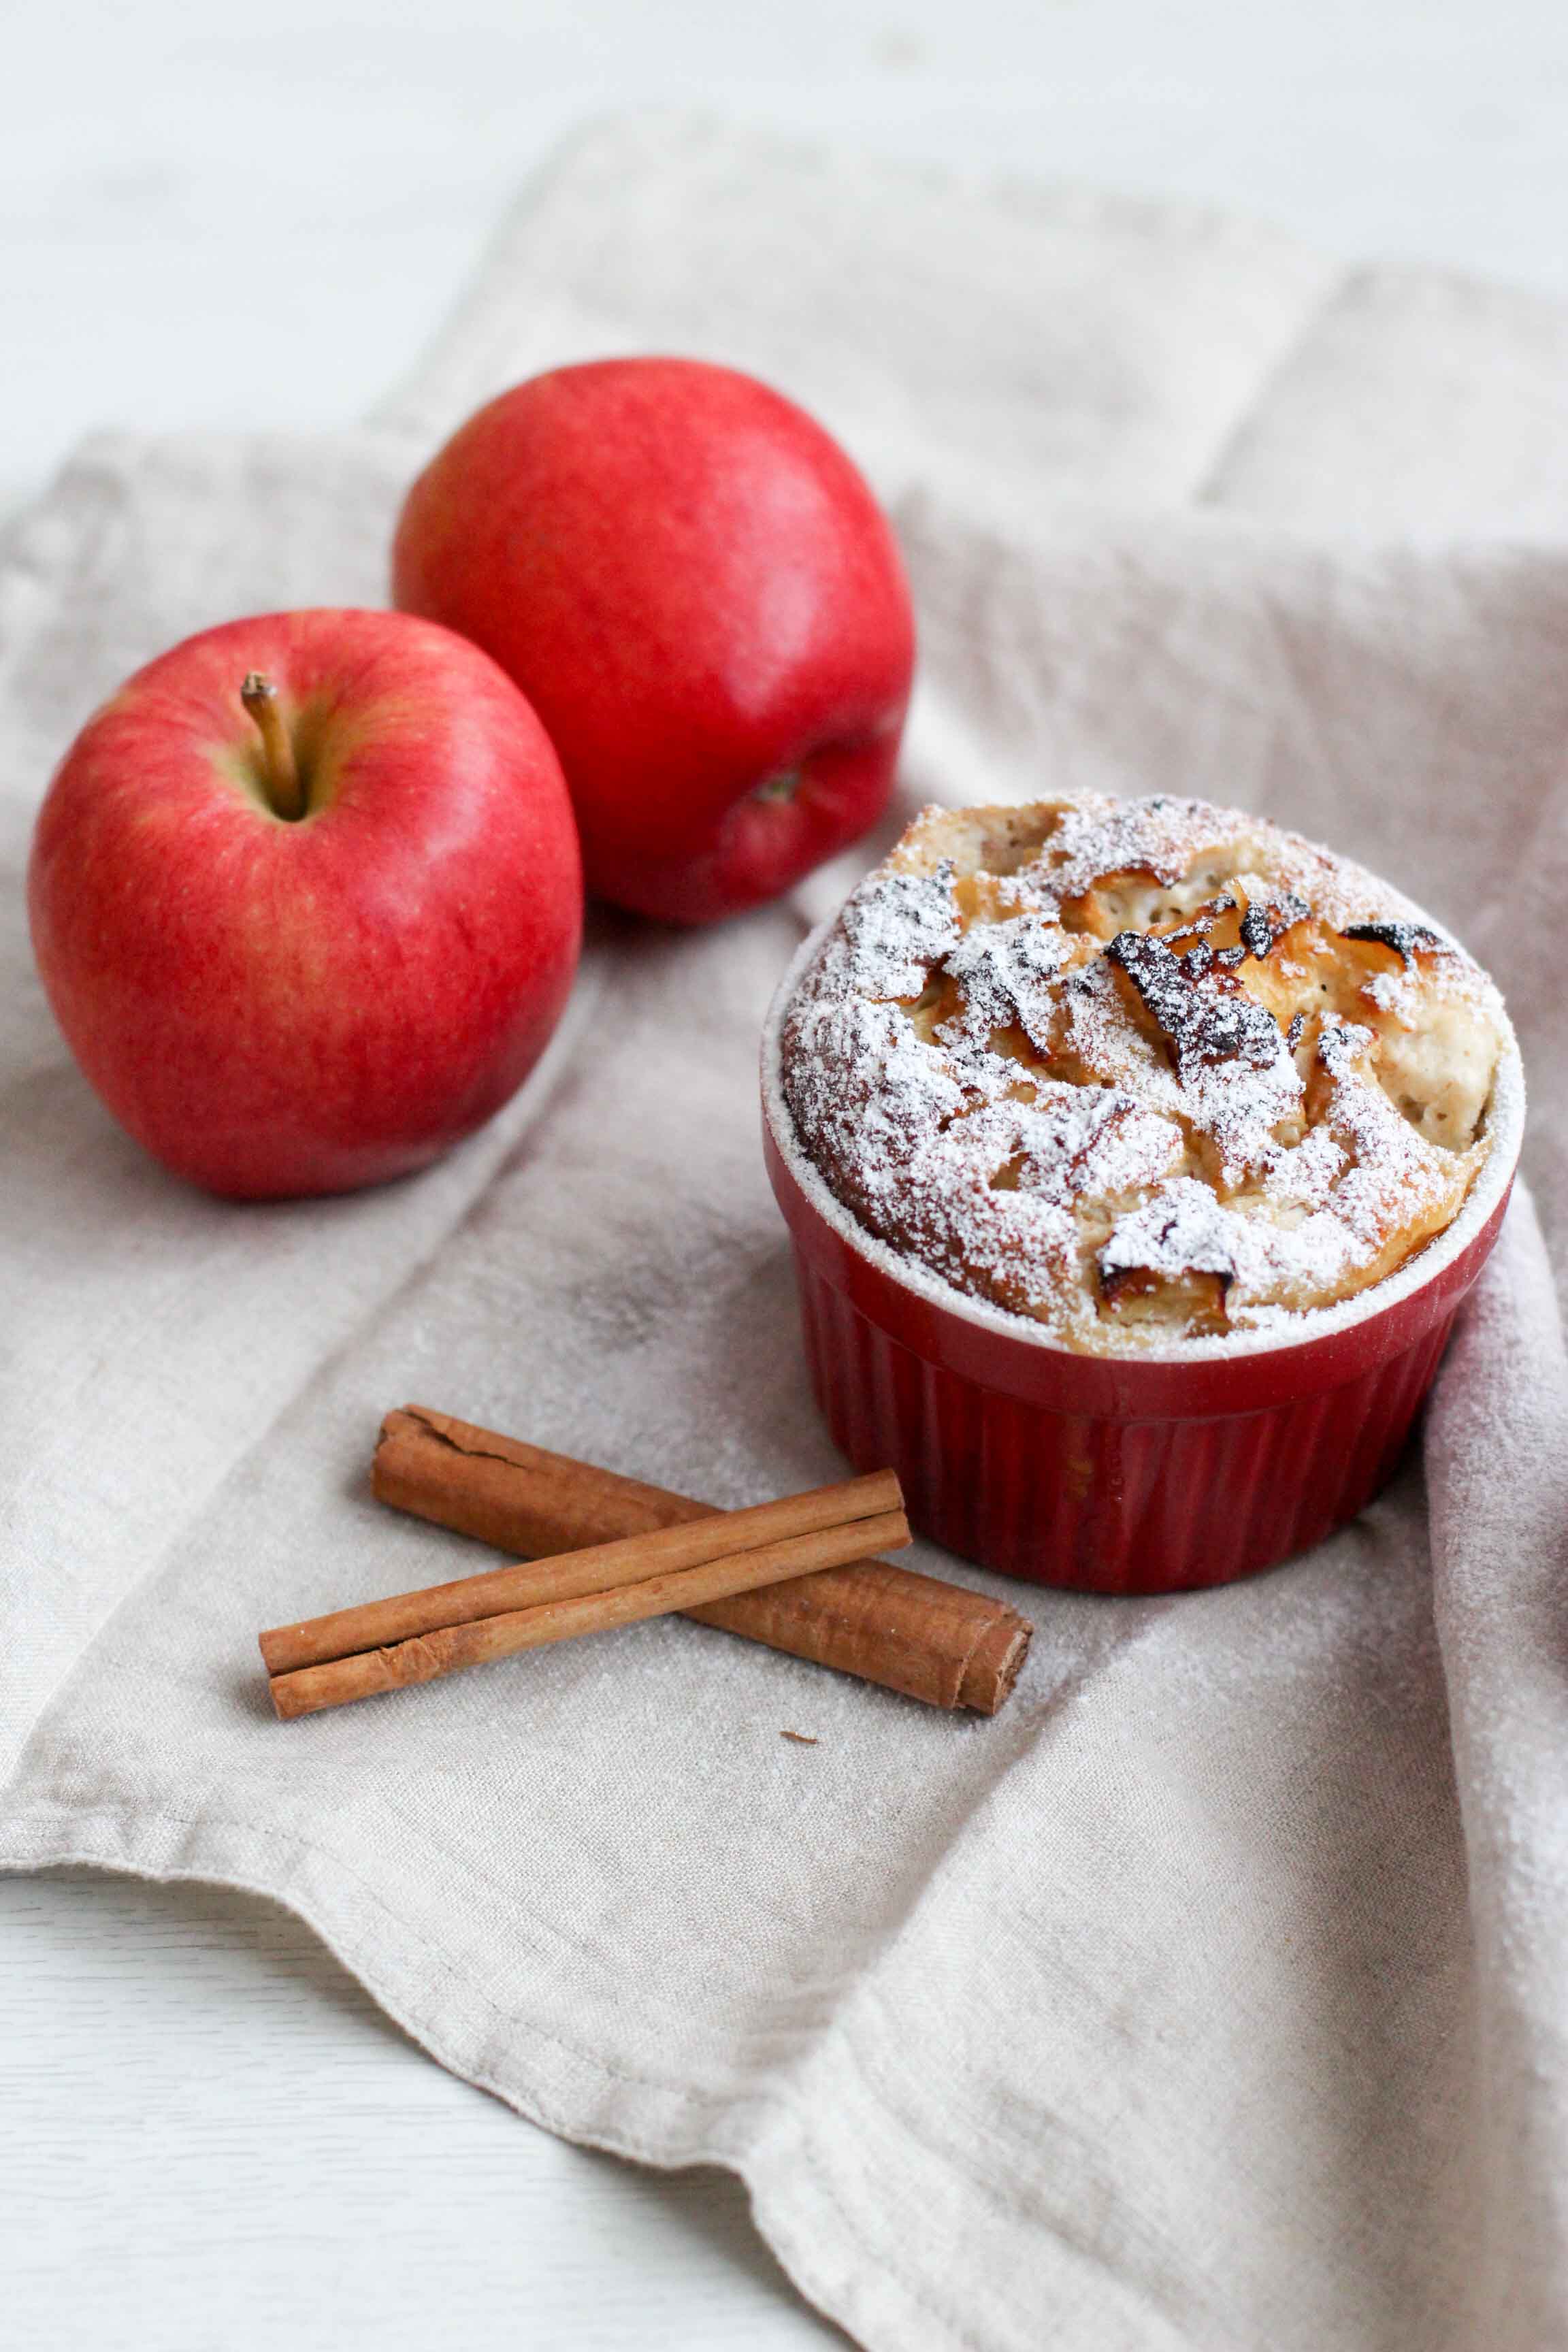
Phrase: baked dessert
x=1145 y=1071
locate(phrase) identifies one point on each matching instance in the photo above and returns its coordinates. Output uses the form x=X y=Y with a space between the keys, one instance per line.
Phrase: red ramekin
x=1152 y=1473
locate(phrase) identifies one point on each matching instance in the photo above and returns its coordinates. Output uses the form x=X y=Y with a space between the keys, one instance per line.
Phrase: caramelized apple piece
x=1194 y=1005
x=1192 y=1302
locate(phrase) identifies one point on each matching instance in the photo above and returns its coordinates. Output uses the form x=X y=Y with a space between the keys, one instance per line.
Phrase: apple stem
x=280 y=770
x=779 y=788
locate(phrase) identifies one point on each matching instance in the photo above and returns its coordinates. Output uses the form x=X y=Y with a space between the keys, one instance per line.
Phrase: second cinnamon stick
x=629 y=1559
x=478 y=1642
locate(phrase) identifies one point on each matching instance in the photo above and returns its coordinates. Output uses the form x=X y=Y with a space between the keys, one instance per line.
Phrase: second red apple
x=698 y=593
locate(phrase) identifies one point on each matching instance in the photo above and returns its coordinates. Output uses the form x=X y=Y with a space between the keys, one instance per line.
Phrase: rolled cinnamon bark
x=943 y=1644
x=596 y=1568
x=449 y=1649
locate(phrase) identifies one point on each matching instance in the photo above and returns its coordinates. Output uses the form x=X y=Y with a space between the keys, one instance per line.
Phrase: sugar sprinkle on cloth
x=1213 y=1992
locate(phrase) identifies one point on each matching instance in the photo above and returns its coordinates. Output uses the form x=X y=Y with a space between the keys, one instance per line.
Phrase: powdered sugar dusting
x=893 y=934
x=1140 y=1069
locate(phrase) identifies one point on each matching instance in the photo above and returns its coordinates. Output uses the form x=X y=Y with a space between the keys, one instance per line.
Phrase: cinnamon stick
x=943 y=1644
x=597 y=1567
x=477 y=1642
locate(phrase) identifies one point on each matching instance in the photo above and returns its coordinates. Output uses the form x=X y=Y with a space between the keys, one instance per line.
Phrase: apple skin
x=701 y=598
x=276 y=1008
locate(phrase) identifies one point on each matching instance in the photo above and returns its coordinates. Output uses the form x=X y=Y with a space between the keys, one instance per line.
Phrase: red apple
x=703 y=602
x=304 y=928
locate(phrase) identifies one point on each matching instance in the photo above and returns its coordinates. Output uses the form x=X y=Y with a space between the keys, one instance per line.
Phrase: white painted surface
x=230 y=216
x=221 y=217
x=214 y=2141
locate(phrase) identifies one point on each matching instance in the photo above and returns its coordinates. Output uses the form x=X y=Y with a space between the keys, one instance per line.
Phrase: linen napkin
x=1215 y=1993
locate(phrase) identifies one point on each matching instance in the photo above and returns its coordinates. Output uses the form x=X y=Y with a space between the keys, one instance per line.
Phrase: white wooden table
x=224 y=218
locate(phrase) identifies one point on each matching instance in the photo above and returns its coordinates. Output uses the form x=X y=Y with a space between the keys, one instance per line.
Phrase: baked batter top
x=1140 y=1070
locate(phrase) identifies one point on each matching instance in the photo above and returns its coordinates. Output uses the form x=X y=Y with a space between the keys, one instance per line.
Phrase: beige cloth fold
x=1215 y=1994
